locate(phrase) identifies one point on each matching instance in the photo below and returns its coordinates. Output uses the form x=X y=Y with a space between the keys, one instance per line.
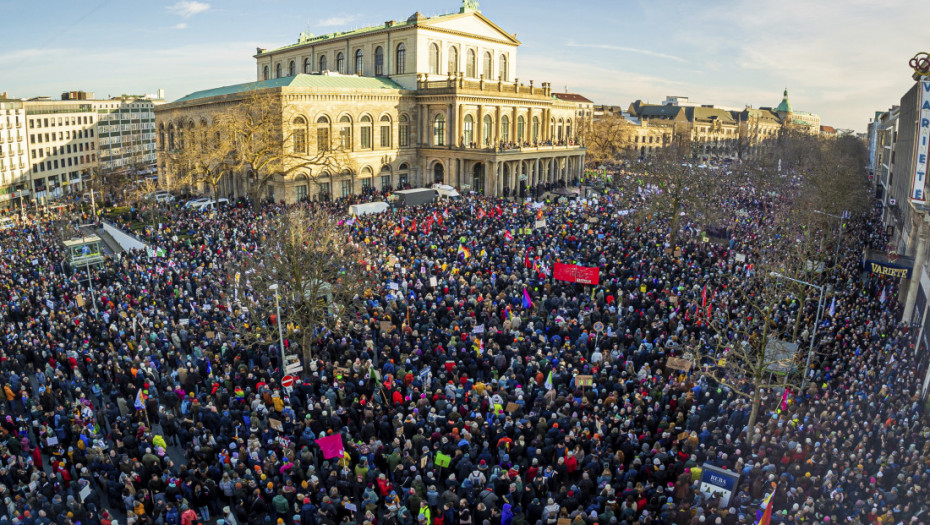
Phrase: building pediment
x=470 y=23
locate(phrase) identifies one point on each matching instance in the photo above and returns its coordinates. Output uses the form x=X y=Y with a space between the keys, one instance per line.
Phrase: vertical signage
x=922 y=146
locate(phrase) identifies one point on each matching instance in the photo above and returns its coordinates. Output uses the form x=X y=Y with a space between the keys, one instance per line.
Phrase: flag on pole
x=508 y=236
x=549 y=381
x=527 y=302
x=331 y=446
x=833 y=307
x=883 y=297
x=464 y=252
x=767 y=503
x=140 y=400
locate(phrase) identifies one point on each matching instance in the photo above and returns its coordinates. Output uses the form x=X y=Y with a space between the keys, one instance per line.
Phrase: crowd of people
x=146 y=407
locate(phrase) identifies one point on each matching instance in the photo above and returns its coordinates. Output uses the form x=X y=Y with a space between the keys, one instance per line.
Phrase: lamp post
x=810 y=351
x=277 y=306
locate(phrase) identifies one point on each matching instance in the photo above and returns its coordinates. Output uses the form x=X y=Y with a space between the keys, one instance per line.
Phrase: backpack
x=172 y=517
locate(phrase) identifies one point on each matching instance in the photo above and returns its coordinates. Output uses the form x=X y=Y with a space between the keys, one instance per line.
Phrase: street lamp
x=810 y=351
x=277 y=305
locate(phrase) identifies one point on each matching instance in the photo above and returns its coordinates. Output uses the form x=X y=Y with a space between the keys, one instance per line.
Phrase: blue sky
x=843 y=59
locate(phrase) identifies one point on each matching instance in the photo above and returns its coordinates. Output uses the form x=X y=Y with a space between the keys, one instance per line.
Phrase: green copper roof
x=785 y=106
x=300 y=81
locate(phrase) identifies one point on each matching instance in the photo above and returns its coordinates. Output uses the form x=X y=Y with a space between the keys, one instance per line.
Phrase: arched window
x=300 y=135
x=505 y=129
x=559 y=135
x=403 y=132
x=323 y=63
x=385 y=131
x=470 y=64
x=322 y=134
x=433 y=59
x=379 y=61
x=521 y=129
x=291 y=68
x=486 y=66
x=468 y=134
x=265 y=73
x=277 y=71
x=385 y=178
x=535 y=129
x=568 y=130
x=402 y=175
x=439 y=130
x=487 y=130
x=340 y=63
x=453 y=61
x=345 y=132
x=366 y=132
x=400 y=61
x=503 y=68
x=359 y=56
x=308 y=66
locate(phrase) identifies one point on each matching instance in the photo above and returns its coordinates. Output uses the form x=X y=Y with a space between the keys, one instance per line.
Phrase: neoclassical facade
x=406 y=103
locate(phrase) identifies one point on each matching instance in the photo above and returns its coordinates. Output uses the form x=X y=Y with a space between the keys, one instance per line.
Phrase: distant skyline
x=841 y=59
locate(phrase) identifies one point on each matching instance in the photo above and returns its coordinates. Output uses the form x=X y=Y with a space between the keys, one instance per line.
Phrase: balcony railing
x=489 y=86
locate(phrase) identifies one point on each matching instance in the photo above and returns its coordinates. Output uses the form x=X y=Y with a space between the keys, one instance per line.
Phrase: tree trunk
x=753 y=414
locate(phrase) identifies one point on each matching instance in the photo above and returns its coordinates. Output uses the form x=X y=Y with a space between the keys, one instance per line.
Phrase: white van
x=446 y=192
x=368 y=207
x=211 y=204
x=6 y=223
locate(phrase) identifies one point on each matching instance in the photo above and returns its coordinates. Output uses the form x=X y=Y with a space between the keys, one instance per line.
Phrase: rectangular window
x=385 y=136
x=346 y=188
x=404 y=135
x=301 y=192
x=385 y=182
x=324 y=190
x=366 y=184
x=366 y=137
x=300 y=141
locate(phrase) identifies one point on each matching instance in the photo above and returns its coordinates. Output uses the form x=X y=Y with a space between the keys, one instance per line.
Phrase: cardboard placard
x=673 y=299
x=740 y=257
x=564 y=521
x=512 y=407
x=584 y=380
x=211 y=335
x=386 y=326
x=80 y=300
x=678 y=363
x=275 y=424
x=677 y=252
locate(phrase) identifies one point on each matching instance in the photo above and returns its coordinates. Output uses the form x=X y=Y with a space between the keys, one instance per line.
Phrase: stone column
x=528 y=130
x=453 y=126
x=460 y=126
x=478 y=132
x=513 y=125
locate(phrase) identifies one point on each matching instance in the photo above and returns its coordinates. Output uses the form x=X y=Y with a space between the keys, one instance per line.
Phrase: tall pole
x=277 y=306
x=810 y=351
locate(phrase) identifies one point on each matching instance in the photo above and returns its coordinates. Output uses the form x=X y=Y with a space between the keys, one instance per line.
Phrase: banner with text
x=922 y=147
x=889 y=269
x=577 y=274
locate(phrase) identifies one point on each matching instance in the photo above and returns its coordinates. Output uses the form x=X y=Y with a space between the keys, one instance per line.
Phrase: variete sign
x=891 y=270
x=577 y=274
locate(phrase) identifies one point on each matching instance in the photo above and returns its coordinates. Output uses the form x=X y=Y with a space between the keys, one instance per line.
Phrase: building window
x=308 y=66
x=503 y=68
x=345 y=133
x=340 y=63
x=359 y=57
x=468 y=134
x=385 y=131
x=403 y=131
x=265 y=73
x=433 y=59
x=520 y=129
x=366 y=184
x=301 y=192
x=325 y=189
x=322 y=134
x=323 y=63
x=385 y=181
x=486 y=66
x=402 y=176
x=439 y=130
x=366 y=132
x=487 y=130
x=400 y=62
x=453 y=61
x=470 y=64
x=277 y=71
x=505 y=129
x=346 y=187
x=291 y=69
x=300 y=135
x=379 y=61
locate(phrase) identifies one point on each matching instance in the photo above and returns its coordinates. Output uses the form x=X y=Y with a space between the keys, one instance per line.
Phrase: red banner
x=577 y=274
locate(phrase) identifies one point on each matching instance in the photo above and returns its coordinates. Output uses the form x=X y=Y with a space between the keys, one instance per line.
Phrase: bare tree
x=319 y=270
x=609 y=138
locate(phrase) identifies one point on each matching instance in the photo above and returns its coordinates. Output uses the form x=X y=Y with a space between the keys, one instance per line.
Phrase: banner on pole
x=577 y=274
